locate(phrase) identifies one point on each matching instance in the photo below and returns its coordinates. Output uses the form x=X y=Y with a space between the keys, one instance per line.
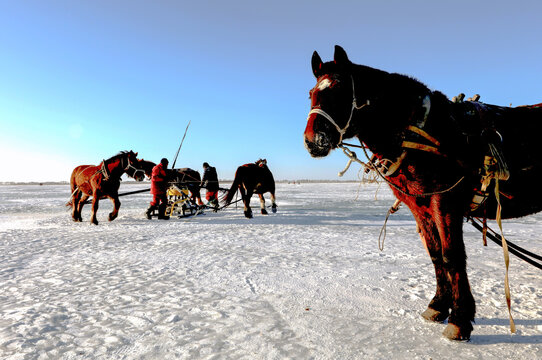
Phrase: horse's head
x=333 y=102
x=133 y=169
x=146 y=166
x=261 y=162
x=352 y=100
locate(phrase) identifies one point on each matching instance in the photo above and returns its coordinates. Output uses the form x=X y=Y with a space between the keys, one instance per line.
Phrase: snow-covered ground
x=306 y=283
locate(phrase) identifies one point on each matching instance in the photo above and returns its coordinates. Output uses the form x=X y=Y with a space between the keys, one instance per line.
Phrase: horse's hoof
x=248 y=214
x=434 y=315
x=274 y=209
x=264 y=212
x=111 y=217
x=454 y=332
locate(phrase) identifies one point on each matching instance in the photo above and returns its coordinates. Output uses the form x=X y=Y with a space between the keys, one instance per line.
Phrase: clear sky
x=82 y=80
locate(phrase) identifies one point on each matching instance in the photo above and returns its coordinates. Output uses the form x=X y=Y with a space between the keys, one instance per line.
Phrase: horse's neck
x=395 y=101
x=115 y=168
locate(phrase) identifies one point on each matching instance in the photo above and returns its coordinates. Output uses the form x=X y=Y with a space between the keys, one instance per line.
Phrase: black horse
x=253 y=178
x=437 y=156
x=184 y=176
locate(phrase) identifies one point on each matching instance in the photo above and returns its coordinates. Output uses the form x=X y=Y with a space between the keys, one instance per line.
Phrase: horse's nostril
x=322 y=140
x=320 y=145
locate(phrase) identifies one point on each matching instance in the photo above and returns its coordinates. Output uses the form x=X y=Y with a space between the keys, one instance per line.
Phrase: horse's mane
x=391 y=83
x=407 y=85
x=118 y=155
x=146 y=162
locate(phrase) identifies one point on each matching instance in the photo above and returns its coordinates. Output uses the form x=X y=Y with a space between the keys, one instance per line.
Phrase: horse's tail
x=73 y=187
x=233 y=189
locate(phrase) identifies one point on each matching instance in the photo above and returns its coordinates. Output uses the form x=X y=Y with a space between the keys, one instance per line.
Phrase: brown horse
x=101 y=181
x=436 y=155
x=253 y=178
x=189 y=177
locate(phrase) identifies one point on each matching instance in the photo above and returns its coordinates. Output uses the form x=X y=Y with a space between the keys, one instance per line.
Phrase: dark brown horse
x=102 y=181
x=189 y=177
x=436 y=155
x=253 y=178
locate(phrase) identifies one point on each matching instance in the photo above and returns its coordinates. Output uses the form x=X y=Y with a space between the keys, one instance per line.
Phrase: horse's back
x=81 y=177
x=520 y=129
x=190 y=173
x=82 y=171
x=256 y=176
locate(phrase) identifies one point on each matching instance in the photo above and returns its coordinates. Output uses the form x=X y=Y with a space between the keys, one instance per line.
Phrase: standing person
x=159 y=186
x=210 y=182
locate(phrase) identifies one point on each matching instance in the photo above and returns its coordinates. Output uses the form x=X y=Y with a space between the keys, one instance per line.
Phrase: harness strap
x=422 y=147
x=424 y=134
x=104 y=171
x=506 y=257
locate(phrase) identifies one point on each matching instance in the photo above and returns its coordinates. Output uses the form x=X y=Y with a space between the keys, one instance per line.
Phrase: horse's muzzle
x=319 y=145
x=139 y=176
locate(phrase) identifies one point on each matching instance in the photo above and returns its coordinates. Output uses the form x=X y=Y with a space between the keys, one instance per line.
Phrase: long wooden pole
x=174 y=161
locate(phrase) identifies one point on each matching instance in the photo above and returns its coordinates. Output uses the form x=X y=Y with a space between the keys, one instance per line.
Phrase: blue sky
x=82 y=80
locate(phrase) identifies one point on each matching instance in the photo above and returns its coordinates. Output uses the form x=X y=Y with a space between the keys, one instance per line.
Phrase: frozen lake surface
x=308 y=282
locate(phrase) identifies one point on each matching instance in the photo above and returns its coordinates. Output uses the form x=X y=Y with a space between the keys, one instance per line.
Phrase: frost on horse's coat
x=438 y=187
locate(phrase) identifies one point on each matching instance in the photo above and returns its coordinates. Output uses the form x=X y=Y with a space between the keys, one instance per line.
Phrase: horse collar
x=104 y=170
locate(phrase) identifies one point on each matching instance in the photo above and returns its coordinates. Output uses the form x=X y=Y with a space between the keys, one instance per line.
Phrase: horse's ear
x=316 y=64
x=340 y=58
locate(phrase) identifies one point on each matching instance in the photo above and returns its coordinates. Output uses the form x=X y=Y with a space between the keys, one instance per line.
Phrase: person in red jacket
x=159 y=187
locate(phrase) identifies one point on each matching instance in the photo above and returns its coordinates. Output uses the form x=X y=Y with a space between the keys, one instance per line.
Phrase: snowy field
x=306 y=283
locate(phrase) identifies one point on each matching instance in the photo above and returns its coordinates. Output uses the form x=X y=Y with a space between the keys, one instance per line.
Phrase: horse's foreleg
x=262 y=204
x=439 y=307
x=95 y=205
x=454 y=257
x=116 y=206
x=273 y=203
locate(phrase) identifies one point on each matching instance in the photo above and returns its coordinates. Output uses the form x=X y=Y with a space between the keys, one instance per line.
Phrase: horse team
x=103 y=181
x=432 y=152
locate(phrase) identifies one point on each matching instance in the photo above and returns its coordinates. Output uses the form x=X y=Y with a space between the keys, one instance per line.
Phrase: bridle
x=341 y=131
x=124 y=168
x=136 y=170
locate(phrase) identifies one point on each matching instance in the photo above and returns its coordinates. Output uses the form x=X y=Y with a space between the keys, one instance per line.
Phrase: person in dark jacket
x=209 y=181
x=159 y=187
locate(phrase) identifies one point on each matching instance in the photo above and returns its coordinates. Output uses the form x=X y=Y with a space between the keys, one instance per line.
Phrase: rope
x=352 y=156
x=409 y=194
x=393 y=209
x=512 y=248
x=233 y=202
x=506 y=257
x=383 y=230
